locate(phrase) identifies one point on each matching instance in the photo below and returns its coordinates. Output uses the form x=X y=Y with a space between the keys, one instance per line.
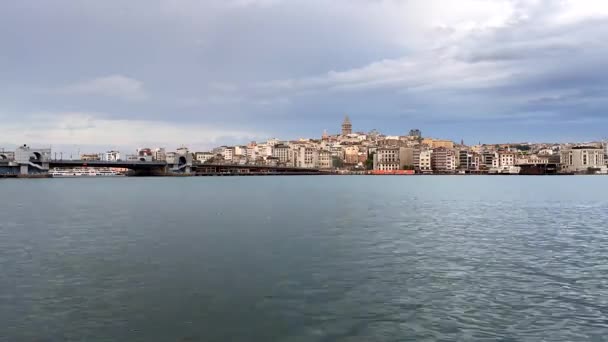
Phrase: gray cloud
x=114 y=85
x=472 y=68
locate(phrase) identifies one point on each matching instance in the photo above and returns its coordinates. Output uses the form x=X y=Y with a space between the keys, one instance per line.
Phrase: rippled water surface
x=304 y=259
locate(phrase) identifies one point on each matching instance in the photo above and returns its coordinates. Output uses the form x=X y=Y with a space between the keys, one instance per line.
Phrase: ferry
x=83 y=172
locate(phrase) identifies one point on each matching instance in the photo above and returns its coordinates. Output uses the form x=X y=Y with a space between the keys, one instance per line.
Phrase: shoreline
x=278 y=174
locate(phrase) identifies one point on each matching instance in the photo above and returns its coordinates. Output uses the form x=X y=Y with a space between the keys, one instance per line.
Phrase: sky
x=96 y=75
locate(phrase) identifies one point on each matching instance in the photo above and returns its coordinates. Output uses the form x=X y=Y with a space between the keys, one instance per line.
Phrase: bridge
x=26 y=161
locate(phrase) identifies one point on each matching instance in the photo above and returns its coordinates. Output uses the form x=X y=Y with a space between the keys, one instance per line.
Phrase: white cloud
x=114 y=86
x=475 y=44
x=93 y=129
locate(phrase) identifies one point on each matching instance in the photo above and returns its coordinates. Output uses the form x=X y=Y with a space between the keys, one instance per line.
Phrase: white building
x=506 y=159
x=424 y=160
x=110 y=156
x=387 y=159
x=252 y=152
x=159 y=154
x=281 y=152
x=240 y=150
x=325 y=161
x=532 y=159
x=228 y=153
x=582 y=159
x=203 y=157
x=306 y=157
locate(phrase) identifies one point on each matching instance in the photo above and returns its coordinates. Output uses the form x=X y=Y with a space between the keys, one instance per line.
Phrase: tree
x=369 y=163
x=337 y=162
x=409 y=167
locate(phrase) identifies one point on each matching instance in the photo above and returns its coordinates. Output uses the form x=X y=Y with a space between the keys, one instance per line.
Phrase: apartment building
x=443 y=160
x=581 y=159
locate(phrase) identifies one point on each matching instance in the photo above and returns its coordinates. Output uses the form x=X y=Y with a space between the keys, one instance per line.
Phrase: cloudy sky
x=113 y=73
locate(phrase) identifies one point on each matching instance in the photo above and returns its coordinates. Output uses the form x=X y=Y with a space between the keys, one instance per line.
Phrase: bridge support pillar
x=24 y=169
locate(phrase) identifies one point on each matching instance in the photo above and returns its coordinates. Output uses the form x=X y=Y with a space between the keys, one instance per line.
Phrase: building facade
x=306 y=157
x=436 y=143
x=392 y=158
x=582 y=159
x=387 y=159
x=159 y=154
x=325 y=161
x=424 y=161
x=110 y=156
x=443 y=160
x=281 y=152
x=203 y=157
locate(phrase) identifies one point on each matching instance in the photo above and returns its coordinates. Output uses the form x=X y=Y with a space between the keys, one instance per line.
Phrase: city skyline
x=103 y=75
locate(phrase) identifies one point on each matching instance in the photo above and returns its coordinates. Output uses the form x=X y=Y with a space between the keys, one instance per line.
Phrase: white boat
x=83 y=172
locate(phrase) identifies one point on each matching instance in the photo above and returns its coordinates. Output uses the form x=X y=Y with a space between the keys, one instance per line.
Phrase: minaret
x=347 y=127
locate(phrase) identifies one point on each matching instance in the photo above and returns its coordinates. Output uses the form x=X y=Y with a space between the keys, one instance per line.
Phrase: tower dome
x=347 y=127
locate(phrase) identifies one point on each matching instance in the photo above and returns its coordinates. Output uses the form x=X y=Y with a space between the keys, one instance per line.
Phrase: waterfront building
x=532 y=159
x=506 y=158
x=582 y=159
x=393 y=158
x=240 y=150
x=387 y=159
x=281 y=152
x=159 y=154
x=90 y=157
x=325 y=160
x=347 y=127
x=475 y=161
x=252 y=152
x=490 y=160
x=424 y=160
x=203 y=157
x=228 y=153
x=406 y=156
x=306 y=157
x=443 y=160
x=110 y=156
x=351 y=154
x=465 y=160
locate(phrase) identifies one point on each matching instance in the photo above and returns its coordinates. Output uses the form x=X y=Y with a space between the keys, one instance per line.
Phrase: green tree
x=369 y=163
x=337 y=162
